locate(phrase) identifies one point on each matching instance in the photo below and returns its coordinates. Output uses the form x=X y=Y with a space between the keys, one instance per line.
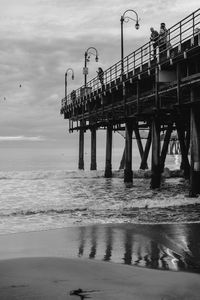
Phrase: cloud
x=22 y=138
x=40 y=39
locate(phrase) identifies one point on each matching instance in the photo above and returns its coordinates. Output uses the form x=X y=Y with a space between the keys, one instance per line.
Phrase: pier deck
x=158 y=92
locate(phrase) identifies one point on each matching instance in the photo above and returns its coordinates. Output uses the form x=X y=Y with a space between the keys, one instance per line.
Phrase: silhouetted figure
x=154 y=37
x=162 y=37
x=100 y=75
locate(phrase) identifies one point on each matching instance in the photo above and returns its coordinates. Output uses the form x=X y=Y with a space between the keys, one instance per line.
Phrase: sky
x=41 y=39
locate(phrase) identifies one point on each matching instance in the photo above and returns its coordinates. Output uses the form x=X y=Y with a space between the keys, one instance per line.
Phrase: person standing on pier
x=162 y=37
x=154 y=39
x=100 y=73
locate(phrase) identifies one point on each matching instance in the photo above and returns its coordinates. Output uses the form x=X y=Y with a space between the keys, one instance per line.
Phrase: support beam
x=128 y=173
x=195 y=150
x=185 y=165
x=93 y=165
x=165 y=146
x=146 y=152
x=122 y=163
x=140 y=146
x=187 y=140
x=81 y=149
x=155 y=162
x=108 y=166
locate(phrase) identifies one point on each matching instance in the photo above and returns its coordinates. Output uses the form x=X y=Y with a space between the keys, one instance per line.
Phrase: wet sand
x=54 y=278
x=50 y=264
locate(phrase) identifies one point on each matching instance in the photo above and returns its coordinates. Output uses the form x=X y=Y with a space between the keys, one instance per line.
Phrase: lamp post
x=128 y=173
x=126 y=19
x=69 y=69
x=87 y=59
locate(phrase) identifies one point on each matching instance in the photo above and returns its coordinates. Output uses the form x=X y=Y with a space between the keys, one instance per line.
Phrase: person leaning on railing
x=100 y=74
x=154 y=37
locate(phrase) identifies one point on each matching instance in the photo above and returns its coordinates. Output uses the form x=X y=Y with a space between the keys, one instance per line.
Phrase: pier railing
x=180 y=38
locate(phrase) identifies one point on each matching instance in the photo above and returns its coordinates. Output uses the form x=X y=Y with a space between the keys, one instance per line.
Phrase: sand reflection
x=167 y=247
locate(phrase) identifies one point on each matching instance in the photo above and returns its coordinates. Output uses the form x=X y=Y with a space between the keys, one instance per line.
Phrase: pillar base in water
x=155 y=179
x=108 y=173
x=128 y=176
x=195 y=183
x=81 y=165
x=93 y=166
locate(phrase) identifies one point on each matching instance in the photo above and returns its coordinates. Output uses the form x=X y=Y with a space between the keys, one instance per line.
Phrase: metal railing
x=177 y=35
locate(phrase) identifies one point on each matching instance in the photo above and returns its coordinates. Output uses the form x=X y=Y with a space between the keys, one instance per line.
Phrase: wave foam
x=39 y=175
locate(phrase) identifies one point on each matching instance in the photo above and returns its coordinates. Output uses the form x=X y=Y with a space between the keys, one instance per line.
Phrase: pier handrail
x=135 y=61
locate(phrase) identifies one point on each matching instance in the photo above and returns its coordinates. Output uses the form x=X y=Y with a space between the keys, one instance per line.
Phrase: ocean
x=41 y=188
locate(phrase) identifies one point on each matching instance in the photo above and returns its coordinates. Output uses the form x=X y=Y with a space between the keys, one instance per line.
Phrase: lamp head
x=137 y=25
x=96 y=58
x=72 y=76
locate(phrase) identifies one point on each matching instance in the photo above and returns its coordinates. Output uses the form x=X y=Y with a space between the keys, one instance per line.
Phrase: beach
x=72 y=232
x=54 y=278
x=101 y=263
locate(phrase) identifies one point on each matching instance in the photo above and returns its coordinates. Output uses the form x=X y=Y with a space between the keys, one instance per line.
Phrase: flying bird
x=20 y=85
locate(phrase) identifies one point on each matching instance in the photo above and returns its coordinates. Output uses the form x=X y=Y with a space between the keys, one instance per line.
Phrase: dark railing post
x=193 y=23
x=180 y=32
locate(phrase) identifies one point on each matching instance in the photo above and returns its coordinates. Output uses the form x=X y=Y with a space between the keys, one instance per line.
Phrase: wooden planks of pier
x=157 y=93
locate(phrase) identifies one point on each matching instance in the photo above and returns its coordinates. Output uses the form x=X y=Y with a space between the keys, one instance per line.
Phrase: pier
x=156 y=91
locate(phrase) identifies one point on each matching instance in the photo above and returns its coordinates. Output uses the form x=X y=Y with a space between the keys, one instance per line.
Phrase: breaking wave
x=37 y=200
x=38 y=175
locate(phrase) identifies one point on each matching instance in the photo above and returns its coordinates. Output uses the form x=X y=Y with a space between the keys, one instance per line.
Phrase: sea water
x=42 y=189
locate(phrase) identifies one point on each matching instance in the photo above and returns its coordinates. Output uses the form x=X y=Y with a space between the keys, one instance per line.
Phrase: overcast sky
x=40 y=39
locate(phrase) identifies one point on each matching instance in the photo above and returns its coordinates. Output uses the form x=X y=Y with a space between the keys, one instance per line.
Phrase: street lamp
x=87 y=59
x=69 y=69
x=126 y=19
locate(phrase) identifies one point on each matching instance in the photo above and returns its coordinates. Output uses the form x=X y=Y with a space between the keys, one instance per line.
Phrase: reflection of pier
x=158 y=93
x=167 y=247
